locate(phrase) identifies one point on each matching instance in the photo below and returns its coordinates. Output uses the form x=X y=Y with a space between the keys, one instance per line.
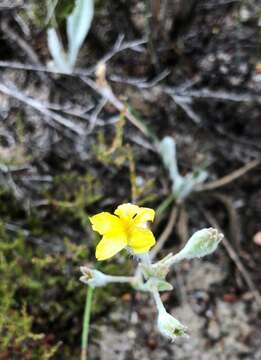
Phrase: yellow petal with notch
x=126 y=211
x=110 y=244
x=106 y=222
x=141 y=240
x=144 y=215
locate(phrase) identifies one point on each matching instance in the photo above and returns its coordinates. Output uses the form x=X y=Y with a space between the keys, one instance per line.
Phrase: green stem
x=165 y=204
x=86 y=322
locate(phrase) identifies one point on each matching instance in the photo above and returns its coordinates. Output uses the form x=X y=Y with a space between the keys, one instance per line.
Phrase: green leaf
x=63 y=9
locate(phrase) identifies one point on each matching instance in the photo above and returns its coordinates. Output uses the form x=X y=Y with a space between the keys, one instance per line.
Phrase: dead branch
x=184 y=102
x=107 y=93
x=95 y=114
x=23 y=45
x=5 y=5
x=211 y=94
x=234 y=257
x=166 y=232
x=234 y=221
x=229 y=178
x=53 y=119
x=118 y=47
x=141 y=83
x=182 y=224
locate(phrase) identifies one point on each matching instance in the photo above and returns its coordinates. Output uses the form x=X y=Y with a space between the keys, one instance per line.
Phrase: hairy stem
x=121 y=279
x=145 y=258
x=158 y=300
x=86 y=322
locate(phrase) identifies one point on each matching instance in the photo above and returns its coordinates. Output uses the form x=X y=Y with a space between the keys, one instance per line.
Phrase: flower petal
x=126 y=211
x=106 y=222
x=110 y=244
x=144 y=215
x=141 y=240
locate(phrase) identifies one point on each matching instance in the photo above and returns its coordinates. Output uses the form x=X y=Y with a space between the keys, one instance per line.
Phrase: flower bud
x=202 y=243
x=93 y=278
x=170 y=327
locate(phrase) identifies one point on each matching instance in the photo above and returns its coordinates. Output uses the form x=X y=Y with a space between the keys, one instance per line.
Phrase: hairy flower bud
x=93 y=278
x=170 y=327
x=202 y=243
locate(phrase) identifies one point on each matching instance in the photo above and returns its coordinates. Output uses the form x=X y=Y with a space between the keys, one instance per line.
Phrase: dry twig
x=118 y=47
x=229 y=178
x=166 y=232
x=7 y=5
x=56 y=119
x=107 y=93
x=234 y=257
x=184 y=103
x=141 y=83
x=182 y=224
x=211 y=94
x=22 y=44
x=234 y=222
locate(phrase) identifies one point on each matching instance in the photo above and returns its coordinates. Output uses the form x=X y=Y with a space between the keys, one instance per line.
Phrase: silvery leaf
x=57 y=51
x=78 y=25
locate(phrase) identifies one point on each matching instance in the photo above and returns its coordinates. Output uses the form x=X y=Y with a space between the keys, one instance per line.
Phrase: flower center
x=128 y=225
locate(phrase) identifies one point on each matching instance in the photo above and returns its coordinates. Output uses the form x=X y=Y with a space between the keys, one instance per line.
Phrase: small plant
x=182 y=186
x=77 y=26
x=127 y=229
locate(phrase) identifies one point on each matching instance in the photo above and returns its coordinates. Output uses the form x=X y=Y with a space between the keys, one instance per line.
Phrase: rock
x=213 y=330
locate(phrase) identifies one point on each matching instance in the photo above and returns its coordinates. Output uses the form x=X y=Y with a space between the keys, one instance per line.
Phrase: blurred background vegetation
x=187 y=69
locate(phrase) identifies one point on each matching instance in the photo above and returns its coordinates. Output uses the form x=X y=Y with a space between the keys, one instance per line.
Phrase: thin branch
x=37 y=105
x=141 y=83
x=78 y=71
x=5 y=5
x=166 y=233
x=234 y=257
x=211 y=94
x=183 y=94
x=119 y=46
x=211 y=6
x=235 y=230
x=95 y=114
x=107 y=93
x=26 y=48
x=183 y=102
x=229 y=178
x=29 y=67
x=141 y=142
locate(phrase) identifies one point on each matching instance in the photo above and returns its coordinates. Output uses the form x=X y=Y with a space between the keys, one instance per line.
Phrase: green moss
x=72 y=195
x=41 y=297
x=119 y=155
x=17 y=337
x=48 y=285
x=40 y=291
x=115 y=153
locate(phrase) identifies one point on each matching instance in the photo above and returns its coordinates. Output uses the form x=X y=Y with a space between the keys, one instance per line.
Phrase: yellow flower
x=127 y=228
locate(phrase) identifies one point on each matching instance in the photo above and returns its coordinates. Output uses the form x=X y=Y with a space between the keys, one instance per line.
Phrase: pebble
x=213 y=330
